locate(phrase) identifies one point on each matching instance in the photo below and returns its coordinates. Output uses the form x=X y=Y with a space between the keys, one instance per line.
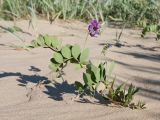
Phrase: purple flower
x=94 y=28
x=109 y=45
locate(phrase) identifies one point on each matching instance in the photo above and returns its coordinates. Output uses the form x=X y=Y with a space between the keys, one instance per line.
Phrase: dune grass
x=103 y=10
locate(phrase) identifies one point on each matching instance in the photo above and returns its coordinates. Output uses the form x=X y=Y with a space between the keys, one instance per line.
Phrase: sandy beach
x=137 y=62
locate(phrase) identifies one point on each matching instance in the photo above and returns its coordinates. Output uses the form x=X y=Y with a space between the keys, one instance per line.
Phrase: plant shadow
x=53 y=90
x=97 y=100
x=57 y=91
x=125 y=44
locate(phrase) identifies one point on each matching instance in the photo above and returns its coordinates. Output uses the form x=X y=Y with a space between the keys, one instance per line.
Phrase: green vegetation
x=126 y=13
x=131 y=11
x=97 y=80
x=154 y=28
x=63 y=54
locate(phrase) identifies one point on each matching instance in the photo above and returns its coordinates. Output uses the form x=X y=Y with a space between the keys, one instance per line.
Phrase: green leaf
x=96 y=72
x=102 y=71
x=119 y=88
x=80 y=87
x=14 y=29
x=66 y=52
x=56 y=43
x=76 y=50
x=136 y=90
x=48 y=40
x=54 y=67
x=93 y=68
x=84 y=55
x=58 y=58
x=87 y=79
x=40 y=41
x=97 y=75
x=69 y=46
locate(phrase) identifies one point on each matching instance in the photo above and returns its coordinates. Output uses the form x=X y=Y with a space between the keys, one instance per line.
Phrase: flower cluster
x=94 y=28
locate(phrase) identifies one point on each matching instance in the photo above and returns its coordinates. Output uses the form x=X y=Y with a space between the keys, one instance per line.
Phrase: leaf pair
x=47 y=41
x=94 y=78
x=82 y=57
x=69 y=53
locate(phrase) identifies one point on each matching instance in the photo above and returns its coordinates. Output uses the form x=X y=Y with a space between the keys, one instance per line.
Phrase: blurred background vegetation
x=134 y=12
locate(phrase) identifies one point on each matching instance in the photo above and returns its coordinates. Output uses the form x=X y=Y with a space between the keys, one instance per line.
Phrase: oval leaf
x=97 y=75
x=54 y=67
x=76 y=50
x=56 y=43
x=84 y=56
x=48 y=40
x=58 y=58
x=40 y=41
x=66 y=52
x=87 y=79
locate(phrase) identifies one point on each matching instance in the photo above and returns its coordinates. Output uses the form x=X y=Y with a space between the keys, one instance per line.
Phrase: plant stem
x=85 y=42
x=52 y=49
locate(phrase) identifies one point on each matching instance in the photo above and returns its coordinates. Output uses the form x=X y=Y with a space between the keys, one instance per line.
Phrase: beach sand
x=137 y=62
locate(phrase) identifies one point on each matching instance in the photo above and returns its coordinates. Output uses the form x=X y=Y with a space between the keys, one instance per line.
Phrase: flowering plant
x=97 y=80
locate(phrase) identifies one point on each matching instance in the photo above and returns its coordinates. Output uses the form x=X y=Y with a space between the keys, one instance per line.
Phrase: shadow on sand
x=56 y=90
x=53 y=90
